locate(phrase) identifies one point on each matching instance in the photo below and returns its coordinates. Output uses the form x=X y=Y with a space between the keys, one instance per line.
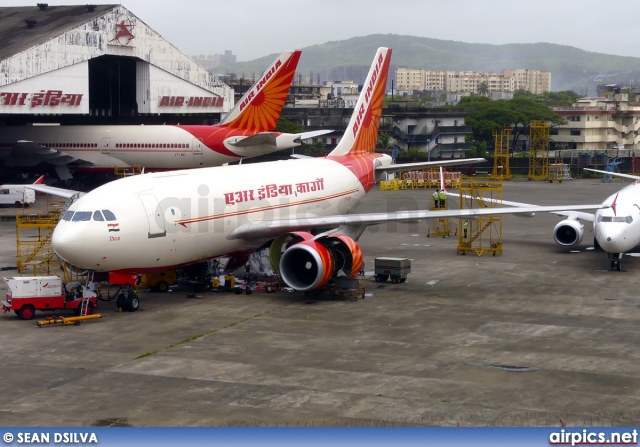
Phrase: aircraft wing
x=60 y=192
x=428 y=164
x=617 y=174
x=28 y=153
x=568 y=211
x=357 y=222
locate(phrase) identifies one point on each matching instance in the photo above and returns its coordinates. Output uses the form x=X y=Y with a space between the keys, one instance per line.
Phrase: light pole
x=428 y=150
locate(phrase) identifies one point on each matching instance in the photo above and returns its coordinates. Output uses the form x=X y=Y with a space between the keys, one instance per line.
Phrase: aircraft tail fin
x=361 y=135
x=259 y=109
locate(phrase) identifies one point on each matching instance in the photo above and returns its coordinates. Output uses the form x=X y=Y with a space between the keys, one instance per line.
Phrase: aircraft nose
x=70 y=246
x=611 y=238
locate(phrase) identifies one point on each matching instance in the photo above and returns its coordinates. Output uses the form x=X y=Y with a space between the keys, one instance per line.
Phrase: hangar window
x=108 y=215
x=97 y=215
x=82 y=216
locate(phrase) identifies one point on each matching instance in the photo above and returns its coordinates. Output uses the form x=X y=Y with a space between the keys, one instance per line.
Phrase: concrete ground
x=448 y=346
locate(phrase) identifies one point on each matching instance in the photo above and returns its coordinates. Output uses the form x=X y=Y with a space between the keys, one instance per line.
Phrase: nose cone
x=69 y=244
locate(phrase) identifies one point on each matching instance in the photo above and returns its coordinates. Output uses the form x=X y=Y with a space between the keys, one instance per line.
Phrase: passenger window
x=82 y=216
x=97 y=215
x=108 y=215
x=628 y=219
x=68 y=215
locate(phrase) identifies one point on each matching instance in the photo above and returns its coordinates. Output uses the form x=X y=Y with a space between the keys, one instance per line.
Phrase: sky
x=256 y=28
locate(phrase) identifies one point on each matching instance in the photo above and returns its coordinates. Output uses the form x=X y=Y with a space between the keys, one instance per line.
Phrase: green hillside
x=570 y=67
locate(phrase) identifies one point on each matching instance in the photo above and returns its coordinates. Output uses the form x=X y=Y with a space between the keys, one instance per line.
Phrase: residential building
x=608 y=124
x=533 y=81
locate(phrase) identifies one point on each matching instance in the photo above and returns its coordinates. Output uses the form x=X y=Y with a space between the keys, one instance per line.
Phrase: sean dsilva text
x=57 y=438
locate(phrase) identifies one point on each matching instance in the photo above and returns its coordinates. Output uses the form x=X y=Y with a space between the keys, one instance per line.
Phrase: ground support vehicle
x=17 y=195
x=26 y=294
x=394 y=268
x=159 y=281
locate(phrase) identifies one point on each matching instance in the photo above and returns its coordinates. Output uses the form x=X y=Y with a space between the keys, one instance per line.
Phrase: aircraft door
x=105 y=145
x=196 y=149
x=154 y=215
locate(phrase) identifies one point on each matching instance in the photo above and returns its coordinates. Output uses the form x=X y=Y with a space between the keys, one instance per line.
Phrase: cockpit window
x=108 y=215
x=82 y=216
x=623 y=219
x=97 y=215
x=67 y=215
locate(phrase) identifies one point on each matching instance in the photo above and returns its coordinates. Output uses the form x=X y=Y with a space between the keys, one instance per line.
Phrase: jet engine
x=310 y=263
x=568 y=233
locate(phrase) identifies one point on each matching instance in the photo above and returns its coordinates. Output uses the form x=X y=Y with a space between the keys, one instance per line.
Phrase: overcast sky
x=256 y=28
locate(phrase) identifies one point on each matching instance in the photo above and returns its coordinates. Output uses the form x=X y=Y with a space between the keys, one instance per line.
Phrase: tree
x=385 y=141
x=483 y=89
x=487 y=116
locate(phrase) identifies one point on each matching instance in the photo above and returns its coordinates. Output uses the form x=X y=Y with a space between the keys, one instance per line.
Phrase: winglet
x=361 y=135
x=259 y=109
x=39 y=181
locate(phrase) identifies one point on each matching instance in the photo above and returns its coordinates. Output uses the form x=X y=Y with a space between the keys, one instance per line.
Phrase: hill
x=570 y=67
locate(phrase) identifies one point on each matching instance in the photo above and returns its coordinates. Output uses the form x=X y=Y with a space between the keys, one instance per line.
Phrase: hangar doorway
x=112 y=86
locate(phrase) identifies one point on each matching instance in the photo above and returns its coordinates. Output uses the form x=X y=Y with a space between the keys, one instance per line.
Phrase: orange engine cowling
x=311 y=263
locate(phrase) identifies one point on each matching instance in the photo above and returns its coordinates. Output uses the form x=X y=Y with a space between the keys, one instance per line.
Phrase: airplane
x=616 y=223
x=299 y=208
x=246 y=131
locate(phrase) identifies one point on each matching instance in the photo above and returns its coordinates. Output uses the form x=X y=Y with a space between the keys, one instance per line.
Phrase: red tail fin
x=259 y=109
x=361 y=135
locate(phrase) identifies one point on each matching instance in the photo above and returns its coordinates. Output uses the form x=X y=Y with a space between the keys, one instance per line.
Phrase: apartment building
x=607 y=124
x=470 y=81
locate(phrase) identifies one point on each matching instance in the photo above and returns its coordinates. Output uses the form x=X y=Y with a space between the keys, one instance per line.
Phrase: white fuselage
x=617 y=228
x=153 y=147
x=175 y=218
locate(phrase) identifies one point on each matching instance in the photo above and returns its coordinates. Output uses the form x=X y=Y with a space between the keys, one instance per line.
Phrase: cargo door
x=154 y=215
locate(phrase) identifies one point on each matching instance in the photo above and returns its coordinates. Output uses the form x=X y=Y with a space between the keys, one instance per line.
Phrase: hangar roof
x=16 y=36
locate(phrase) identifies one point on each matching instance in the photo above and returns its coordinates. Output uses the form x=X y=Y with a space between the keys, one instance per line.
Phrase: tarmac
x=530 y=337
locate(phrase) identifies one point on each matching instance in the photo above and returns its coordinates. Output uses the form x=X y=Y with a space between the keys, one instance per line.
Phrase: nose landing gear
x=615 y=261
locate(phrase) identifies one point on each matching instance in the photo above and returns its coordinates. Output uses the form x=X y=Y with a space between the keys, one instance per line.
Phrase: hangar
x=99 y=64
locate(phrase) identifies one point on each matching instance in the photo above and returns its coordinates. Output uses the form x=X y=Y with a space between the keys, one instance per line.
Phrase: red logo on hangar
x=124 y=30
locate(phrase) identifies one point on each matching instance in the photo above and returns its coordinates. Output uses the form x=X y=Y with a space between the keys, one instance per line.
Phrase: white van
x=17 y=195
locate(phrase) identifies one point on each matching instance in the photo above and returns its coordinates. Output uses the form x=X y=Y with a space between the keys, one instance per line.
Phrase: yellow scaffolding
x=539 y=150
x=482 y=234
x=126 y=171
x=34 y=255
x=501 y=168
x=33 y=237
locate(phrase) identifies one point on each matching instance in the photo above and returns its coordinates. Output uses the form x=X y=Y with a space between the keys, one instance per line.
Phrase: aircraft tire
x=133 y=303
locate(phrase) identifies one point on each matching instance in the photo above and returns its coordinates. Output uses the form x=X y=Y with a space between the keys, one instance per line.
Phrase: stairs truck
x=26 y=294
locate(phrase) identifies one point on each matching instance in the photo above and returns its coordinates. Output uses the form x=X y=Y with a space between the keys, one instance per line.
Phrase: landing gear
x=615 y=261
